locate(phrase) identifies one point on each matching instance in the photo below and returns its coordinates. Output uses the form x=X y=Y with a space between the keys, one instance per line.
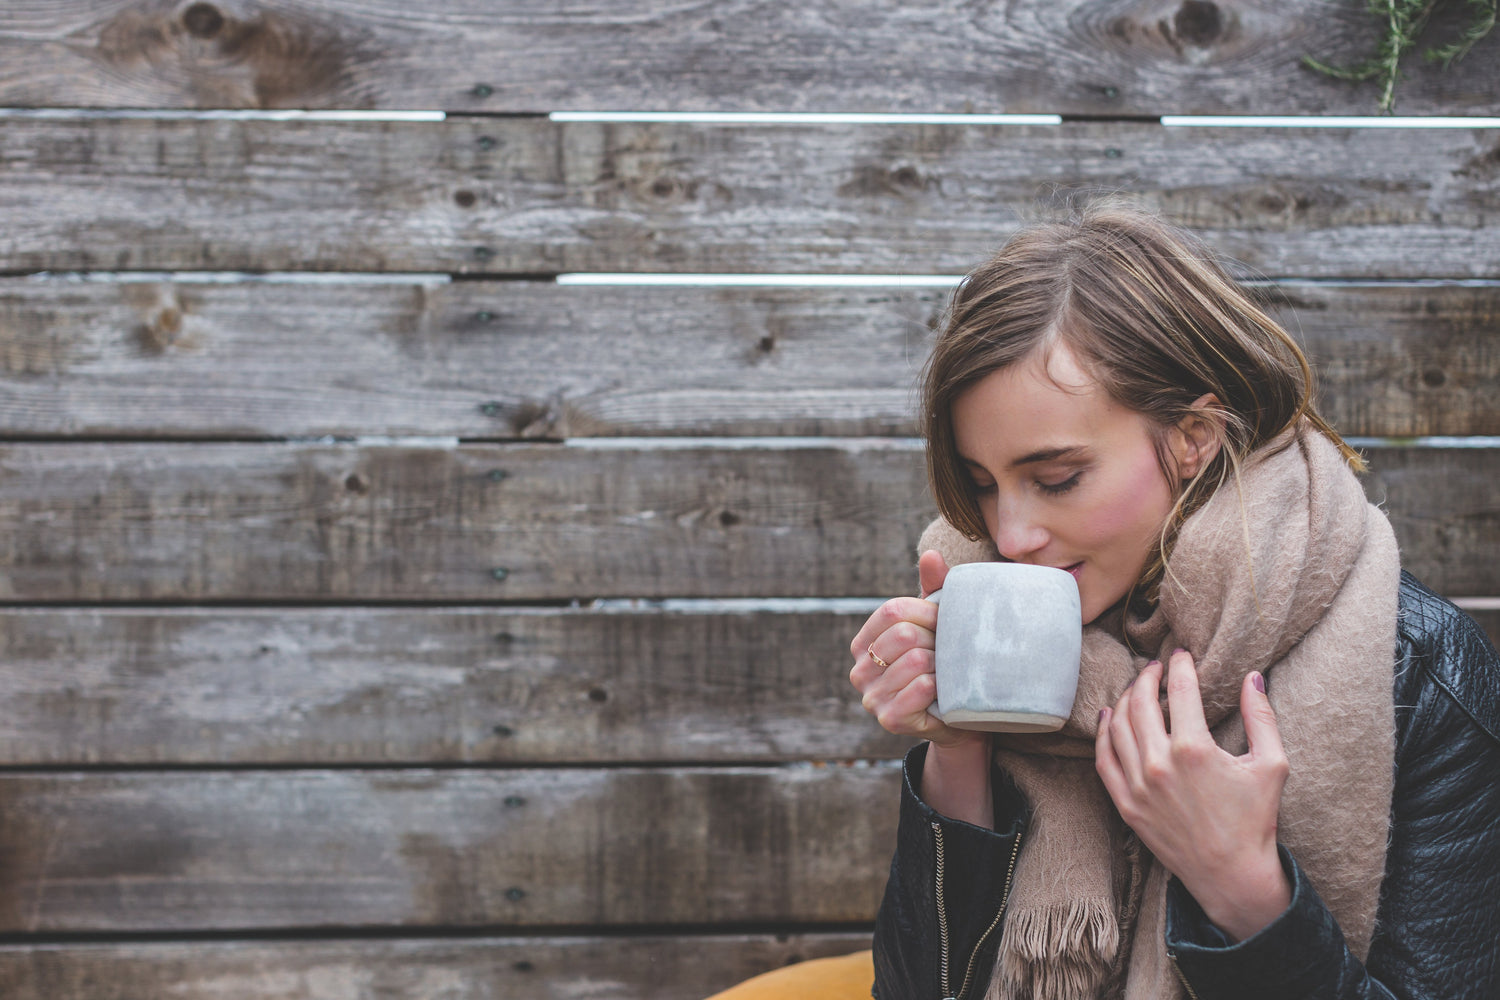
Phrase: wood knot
x=202 y=20
x=163 y=328
x=167 y=325
x=267 y=59
x=871 y=180
x=532 y=418
x=1198 y=23
x=907 y=177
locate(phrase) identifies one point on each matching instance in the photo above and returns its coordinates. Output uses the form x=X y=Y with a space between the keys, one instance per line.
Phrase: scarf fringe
x=1058 y=952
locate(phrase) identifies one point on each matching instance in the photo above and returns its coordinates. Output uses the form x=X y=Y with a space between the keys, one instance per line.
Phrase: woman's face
x=1065 y=476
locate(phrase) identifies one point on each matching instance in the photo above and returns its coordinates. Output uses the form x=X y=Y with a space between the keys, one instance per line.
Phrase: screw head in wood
x=482 y=90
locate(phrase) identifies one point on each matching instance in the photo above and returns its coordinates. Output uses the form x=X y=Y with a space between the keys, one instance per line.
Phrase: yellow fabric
x=845 y=977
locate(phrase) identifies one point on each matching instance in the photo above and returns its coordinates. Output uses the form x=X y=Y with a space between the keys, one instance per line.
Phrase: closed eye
x=1059 y=488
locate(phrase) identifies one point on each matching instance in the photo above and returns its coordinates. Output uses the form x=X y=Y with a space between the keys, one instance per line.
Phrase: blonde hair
x=1153 y=317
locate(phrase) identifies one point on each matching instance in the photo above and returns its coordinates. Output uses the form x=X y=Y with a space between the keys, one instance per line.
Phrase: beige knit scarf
x=1293 y=574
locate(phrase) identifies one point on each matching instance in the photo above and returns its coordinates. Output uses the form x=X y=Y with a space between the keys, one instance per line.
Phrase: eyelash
x=1058 y=489
x=1051 y=489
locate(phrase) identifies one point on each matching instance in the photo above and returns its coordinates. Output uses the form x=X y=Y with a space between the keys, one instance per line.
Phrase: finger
x=914 y=704
x=894 y=642
x=1122 y=739
x=897 y=677
x=907 y=708
x=1260 y=719
x=1107 y=764
x=865 y=673
x=1184 y=700
x=1146 y=722
x=931 y=571
x=898 y=609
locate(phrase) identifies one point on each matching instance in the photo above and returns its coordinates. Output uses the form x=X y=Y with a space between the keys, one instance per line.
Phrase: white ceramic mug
x=1008 y=641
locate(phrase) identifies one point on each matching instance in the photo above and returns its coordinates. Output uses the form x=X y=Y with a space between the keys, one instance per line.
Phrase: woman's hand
x=901 y=633
x=1208 y=816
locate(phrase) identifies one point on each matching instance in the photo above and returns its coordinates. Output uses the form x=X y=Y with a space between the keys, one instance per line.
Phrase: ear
x=1197 y=437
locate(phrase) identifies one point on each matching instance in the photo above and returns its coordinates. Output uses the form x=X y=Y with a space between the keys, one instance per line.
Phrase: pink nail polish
x=1179 y=649
x=1259 y=682
x=1102 y=713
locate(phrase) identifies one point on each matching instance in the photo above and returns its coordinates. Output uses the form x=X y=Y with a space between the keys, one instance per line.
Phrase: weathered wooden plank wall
x=339 y=686
x=307 y=522
x=276 y=725
x=523 y=359
x=412 y=847
x=1084 y=57
x=657 y=967
x=532 y=196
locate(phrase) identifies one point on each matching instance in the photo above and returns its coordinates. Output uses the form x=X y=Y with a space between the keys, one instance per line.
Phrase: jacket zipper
x=1172 y=956
x=937 y=836
x=948 y=994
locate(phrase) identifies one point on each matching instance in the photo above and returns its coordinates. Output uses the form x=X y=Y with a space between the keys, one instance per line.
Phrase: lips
x=1075 y=569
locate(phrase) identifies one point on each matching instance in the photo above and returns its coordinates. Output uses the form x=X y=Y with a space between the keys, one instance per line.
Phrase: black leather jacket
x=1437 y=931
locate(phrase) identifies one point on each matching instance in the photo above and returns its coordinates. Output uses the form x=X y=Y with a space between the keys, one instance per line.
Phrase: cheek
x=1139 y=503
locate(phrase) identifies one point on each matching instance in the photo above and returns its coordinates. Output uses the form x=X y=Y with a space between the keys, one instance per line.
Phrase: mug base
x=1004 y=722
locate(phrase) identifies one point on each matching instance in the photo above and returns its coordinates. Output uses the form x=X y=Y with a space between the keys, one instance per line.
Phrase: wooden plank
x=1450 y=543
x=1398 y=360
x=432 y=686
x=1489 y=620
x=286 y=522
x=177 y=851
x=524 y=196
x=664 y=967
x=379 y=686
x=467 y=359
x=1080 y=57
x=484 y=359
x=383 y=686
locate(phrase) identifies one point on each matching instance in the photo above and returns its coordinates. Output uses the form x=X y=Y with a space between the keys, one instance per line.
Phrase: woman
x=1300 y=816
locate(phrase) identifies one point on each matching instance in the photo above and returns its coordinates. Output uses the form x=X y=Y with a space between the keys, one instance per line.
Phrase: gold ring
x=876 y=657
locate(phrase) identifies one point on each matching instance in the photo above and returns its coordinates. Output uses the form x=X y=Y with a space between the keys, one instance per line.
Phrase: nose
x=1017 y=532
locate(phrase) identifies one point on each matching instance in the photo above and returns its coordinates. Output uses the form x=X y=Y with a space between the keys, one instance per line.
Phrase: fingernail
x=1102 y=713
x=1154 y=663
x=1179 y=649
x=1258 y=681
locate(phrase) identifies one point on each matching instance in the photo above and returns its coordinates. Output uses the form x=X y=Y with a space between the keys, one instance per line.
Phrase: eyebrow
x=1040 y=455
